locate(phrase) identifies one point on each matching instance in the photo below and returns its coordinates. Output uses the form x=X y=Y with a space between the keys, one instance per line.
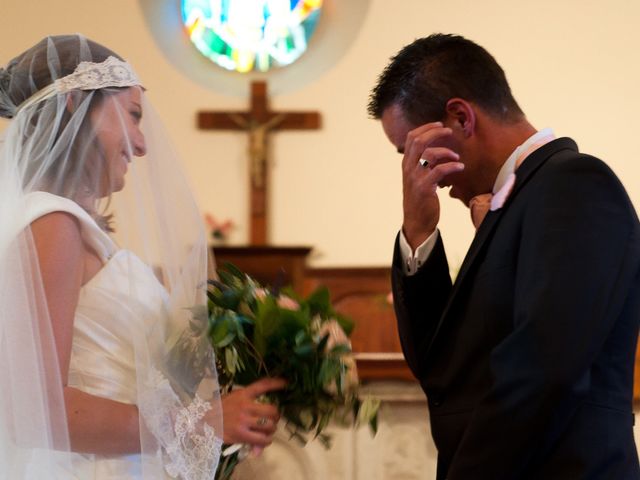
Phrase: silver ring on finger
x=262 y=421
x=424 y=162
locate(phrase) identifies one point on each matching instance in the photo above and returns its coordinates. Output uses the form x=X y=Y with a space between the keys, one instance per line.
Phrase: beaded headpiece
x=88 y=76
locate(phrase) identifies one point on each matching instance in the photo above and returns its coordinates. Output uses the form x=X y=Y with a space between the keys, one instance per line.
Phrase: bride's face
x=117 y=123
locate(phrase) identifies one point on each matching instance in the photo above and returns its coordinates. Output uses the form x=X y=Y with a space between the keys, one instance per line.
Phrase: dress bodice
x=121 y=304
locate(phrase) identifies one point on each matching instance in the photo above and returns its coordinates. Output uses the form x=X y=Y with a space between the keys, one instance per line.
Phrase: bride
x=105 y=367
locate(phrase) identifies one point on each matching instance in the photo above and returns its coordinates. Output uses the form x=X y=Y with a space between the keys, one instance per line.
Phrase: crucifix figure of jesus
x=259 y=123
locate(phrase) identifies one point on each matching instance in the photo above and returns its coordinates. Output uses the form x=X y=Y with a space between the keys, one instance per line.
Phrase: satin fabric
x=124 y=303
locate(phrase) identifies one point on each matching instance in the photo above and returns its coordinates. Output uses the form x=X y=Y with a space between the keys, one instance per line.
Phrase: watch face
x=251 y=35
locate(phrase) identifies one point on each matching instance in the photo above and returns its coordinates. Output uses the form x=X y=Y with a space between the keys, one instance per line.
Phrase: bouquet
x=256 y=333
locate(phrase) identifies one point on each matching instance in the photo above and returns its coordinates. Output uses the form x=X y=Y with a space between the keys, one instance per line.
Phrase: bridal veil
x=70 y=139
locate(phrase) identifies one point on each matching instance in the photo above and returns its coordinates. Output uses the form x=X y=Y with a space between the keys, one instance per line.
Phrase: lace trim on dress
x=190 y=446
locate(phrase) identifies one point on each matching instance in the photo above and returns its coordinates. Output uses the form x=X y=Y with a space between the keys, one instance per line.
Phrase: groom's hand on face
x=425 y=164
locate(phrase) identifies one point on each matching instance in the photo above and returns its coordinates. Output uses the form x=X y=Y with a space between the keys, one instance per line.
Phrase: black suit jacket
x=527 y=360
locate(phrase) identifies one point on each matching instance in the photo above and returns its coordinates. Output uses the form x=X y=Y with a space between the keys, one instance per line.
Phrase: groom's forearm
x=419 y=301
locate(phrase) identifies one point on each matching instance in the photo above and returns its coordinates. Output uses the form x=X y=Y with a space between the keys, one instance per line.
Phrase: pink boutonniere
x=481 y=204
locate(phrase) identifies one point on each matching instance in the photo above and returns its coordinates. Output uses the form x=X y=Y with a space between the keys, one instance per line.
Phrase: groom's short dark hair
x=425 y=74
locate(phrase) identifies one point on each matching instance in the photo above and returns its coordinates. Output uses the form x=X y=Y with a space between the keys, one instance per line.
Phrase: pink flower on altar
x=219 y=230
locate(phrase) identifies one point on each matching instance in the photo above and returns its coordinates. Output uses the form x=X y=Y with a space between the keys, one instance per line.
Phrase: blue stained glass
x=247 y=35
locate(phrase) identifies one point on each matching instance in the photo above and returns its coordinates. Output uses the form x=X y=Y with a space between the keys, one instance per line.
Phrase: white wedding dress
x=119 y=309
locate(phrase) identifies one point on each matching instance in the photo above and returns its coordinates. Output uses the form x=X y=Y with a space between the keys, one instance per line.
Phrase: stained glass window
x=246 y=35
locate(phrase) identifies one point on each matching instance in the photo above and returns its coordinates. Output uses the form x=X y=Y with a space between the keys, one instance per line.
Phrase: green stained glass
x=246 y=35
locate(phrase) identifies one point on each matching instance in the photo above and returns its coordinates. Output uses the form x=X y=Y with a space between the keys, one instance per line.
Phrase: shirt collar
x=534 y=142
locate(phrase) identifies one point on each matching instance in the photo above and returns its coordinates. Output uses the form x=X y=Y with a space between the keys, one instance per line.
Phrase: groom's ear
x=460 y=116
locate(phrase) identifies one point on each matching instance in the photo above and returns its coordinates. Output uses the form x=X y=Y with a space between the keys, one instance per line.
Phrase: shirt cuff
x=412 y=261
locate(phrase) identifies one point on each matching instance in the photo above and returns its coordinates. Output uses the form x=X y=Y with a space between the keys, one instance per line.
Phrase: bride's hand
x=248 y=421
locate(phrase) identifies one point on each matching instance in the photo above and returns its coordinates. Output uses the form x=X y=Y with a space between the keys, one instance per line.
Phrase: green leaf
x=373 y=424
x=231 y=359
x=329 y=370
x=368 y=412
x=322 y=424
x=234 y=271
x=215 y=286
x=266 y=323
x=323 y=342
x=325 y=440
x=340 y=349
x=319 y=302
x=227 y=278
x=227 y=465
x=219 y=331
x=345 y=322
x=301 y=337
x=304 y=350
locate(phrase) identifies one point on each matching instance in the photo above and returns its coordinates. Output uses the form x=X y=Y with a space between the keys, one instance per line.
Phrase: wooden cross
x=259 y=122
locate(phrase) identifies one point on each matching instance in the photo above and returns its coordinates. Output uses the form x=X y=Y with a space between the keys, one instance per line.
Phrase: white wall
x=572 y=65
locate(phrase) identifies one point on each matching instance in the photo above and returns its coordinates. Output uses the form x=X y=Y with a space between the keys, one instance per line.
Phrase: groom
x=527 y=359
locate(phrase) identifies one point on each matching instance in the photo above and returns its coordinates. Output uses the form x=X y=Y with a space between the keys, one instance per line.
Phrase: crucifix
x=259 y=123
